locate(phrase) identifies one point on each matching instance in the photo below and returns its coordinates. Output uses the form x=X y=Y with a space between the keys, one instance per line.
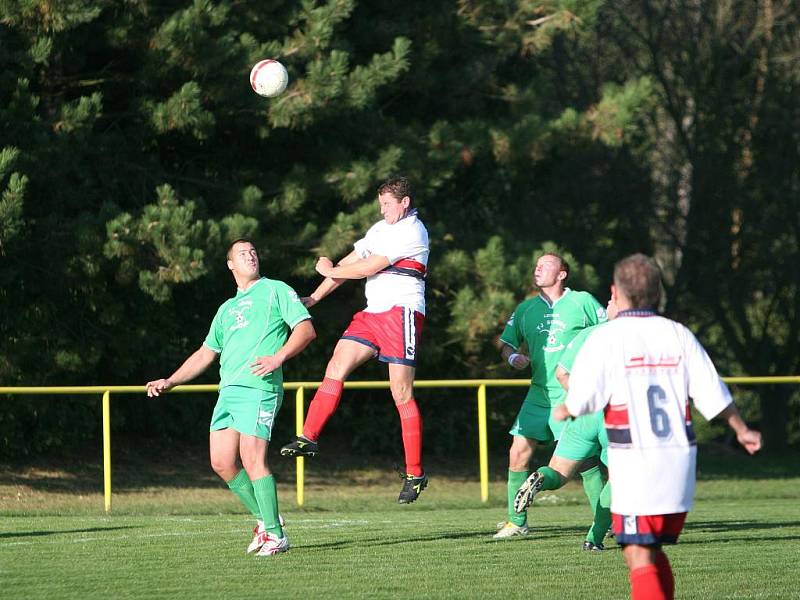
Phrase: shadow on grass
x=25 y=534
x=717 y=461
x=138 y=465
x=711 y=526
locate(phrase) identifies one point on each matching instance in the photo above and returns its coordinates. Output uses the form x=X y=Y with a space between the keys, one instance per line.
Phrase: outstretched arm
x=748 y=438
x=301 y=336
x=350 y=267
x=358 y=269
x=198 y=362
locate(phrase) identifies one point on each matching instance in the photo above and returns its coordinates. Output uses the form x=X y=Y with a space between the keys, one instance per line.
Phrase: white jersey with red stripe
x=402 y=283
x=642 y=370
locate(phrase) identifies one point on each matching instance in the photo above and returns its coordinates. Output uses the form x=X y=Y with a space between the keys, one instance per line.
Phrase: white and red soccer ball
x=268 y=78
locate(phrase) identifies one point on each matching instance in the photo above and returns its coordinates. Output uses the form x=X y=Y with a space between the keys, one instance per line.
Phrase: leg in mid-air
x=519 y=456
x=401 y=384
x=555 y=475
x=581 y=447
x=347 y=356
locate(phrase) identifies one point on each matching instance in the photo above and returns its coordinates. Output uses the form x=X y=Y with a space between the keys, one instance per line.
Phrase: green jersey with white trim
x=256 y=322
x=546 y=329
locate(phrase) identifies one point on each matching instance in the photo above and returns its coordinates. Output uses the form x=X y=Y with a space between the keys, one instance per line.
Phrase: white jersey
x=402 y=283
x=643 y=369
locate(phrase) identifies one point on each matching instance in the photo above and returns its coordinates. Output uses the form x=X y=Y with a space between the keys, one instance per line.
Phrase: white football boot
x=274 y=545
x=260 y=536
x=509 y=530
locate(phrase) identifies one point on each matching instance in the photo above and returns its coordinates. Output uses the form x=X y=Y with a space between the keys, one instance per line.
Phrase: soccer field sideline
x=737 y=544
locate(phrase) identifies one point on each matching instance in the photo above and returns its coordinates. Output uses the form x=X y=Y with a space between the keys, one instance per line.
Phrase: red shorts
x=647 y=530
x=394 y=335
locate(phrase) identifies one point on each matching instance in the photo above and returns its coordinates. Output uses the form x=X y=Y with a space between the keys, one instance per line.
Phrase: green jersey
x=567 y=358
x=586 y=435
x=256 y=322
x=546 y=329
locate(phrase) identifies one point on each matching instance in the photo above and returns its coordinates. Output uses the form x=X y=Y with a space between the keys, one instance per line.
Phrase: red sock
x=322 y=407
x=411 y=424
x=645 y=584
x=665 y=575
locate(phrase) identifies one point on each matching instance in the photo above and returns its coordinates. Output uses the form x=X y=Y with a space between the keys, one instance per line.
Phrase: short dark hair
x=239 y=241
x=399 y=187
x=638 y=277
x=563 y=264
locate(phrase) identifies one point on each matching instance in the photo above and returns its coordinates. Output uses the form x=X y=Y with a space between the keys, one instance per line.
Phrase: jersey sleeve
x=362 y=247
x=589 y=384
x=511 y=334
x=214 y=339
x=708 y=392
x=290 y=307
x=595 y=313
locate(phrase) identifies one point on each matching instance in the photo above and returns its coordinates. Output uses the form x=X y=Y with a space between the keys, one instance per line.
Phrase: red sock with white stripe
x=324 y=404
x=665 y=575
x=411 y=425
x=645 y=584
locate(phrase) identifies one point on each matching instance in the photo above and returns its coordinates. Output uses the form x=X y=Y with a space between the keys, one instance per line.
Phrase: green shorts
x=247 y=410
x=536 y=422
x=583 y=438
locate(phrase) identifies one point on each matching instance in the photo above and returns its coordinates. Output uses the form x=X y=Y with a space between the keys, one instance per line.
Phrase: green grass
x=353 y=540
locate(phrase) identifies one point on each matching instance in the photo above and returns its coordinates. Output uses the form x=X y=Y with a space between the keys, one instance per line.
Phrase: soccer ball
x=268 y=78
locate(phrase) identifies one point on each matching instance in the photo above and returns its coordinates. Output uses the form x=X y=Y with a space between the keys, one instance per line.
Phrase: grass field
x=351 y=539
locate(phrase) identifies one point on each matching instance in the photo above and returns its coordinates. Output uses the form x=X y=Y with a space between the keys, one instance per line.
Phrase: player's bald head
x=235 y=243
x=638 y=278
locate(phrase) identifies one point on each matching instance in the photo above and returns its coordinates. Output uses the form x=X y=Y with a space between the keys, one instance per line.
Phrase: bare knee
x=253 y=451
x=336 y=369
x=224 y=467
x=637 y=556
x=402 y=391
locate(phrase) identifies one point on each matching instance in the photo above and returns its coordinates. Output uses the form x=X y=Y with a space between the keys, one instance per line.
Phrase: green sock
x=266 y=493
x=551 y=478
x=242 y=487
x=515 y=479
x=593 y=485
x=602 y=517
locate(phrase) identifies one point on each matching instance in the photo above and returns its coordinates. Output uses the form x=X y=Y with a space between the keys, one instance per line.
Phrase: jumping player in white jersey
x=642 y=370
x=393 y=257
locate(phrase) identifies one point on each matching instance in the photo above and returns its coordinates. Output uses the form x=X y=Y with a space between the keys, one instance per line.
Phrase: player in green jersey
x=581 y=440
x=545 y=324
x=253 y=334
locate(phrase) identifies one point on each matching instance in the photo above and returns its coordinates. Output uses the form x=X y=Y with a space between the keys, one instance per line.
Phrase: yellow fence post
x=299 y=416
x=107 y=449
x=483 y=446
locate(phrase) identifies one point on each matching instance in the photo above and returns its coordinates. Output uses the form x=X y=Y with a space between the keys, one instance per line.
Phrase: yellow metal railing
x=300 y=387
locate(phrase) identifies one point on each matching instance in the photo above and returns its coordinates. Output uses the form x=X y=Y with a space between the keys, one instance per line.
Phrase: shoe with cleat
x=260 y=535
x=527 y=491
x=590 y=547
x=274 y=545
x=412 y=488
x=300 y=446
x=509 y=530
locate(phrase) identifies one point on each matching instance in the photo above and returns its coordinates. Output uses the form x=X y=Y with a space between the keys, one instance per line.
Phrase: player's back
x=653 y=365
